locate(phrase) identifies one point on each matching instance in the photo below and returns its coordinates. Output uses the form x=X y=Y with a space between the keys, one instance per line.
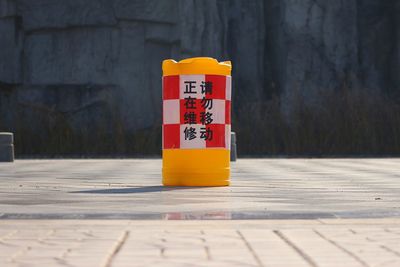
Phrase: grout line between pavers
x=250 y=248
x=348 y=252
x=390 y=250
x=206 y=247
x=115 y=249
x=307 y=258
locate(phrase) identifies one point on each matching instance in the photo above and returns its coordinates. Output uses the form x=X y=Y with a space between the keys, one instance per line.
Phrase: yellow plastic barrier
x=196 y=122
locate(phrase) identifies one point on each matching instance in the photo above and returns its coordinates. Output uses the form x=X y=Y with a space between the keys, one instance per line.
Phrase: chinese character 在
x=190 y=102
x=190 y=118
x=206 y=87
x=206 y=118
x=190 y=133
x=206 y=133
x=189 y=87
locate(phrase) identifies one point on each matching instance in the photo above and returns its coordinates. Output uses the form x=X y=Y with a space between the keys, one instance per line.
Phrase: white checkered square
x=198 y=79
x=228 y=88
x=195 y=143
x=218 y=111
x=171 y=111
x=228 y=136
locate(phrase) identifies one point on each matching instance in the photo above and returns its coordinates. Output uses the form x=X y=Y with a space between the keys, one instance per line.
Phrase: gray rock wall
x=321 y=45
x=94 y=66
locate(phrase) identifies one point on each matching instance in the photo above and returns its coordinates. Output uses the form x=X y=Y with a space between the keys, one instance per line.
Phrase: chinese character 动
x=206 y=133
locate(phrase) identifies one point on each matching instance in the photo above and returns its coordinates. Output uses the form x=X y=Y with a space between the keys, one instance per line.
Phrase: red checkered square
x=194 y=131
x=197 y=111
x=171 y=87
x=218 y=86
x=171 y=134
x=218 y=135
x=228 y=112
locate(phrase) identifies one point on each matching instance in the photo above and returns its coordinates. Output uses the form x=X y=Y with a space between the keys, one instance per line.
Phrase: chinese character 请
x=206 y=87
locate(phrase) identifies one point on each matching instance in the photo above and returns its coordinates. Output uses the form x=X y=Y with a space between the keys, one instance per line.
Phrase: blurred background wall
x=310 y=77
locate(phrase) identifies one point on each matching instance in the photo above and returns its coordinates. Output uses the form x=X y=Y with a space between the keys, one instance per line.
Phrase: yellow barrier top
x=196 y=65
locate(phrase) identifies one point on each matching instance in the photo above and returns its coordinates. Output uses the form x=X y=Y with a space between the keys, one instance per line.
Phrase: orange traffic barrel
x=196 y=122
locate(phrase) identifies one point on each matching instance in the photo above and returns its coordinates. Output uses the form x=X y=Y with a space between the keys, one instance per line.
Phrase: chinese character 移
x=206 y=118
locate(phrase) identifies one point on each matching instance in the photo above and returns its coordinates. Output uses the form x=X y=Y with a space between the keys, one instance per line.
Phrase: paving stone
x=278 y=212
x=192 y=243
x=261 y=189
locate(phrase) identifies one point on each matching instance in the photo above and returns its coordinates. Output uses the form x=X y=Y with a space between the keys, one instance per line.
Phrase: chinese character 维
x=190 y=118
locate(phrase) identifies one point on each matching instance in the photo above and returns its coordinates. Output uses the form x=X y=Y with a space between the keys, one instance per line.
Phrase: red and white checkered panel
x=196 y=111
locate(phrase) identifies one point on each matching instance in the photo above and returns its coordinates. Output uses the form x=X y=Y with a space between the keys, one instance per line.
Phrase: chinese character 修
x=206 y=87
x=190 y=118
x=206 y=118
x=189 y=86
x=190 y=133
x=206 y=133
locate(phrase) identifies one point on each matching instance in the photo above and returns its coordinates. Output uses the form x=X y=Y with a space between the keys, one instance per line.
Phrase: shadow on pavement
x=134 y=190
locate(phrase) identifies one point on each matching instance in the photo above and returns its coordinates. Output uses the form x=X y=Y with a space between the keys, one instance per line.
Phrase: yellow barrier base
x=196 y=167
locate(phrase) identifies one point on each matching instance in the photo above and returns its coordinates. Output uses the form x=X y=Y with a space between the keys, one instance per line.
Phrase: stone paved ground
x=326 y=242
x=278 y=212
